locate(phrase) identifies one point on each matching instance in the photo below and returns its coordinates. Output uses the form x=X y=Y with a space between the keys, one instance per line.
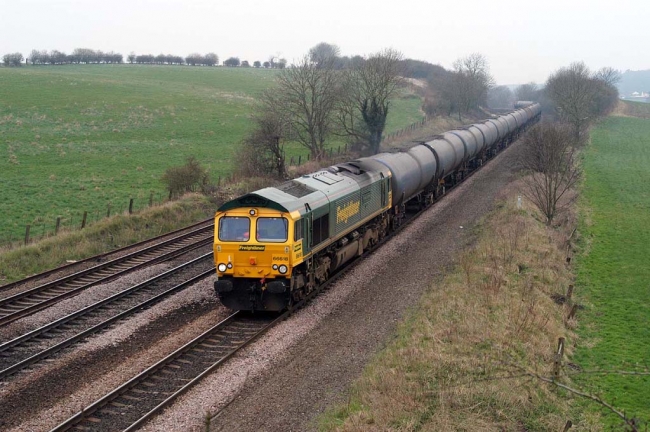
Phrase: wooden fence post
x=83 y=220
x=569 y=293
x=567 y=426
x=572 y=312
x=299 y=159
x=58 y=225
x=557 y=358
x=27 y=228
x=151 y=199
x=131 y=206
x=108 y=210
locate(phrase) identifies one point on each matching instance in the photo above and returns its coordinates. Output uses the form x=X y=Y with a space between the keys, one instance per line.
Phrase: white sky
x=523 y=40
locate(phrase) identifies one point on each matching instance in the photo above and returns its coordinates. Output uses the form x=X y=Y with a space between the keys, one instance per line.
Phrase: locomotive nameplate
x=347 y=211
x=252 y=248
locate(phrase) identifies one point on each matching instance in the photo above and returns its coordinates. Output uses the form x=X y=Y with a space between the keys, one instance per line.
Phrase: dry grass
x=632 y=109
x=457 y=363
x=106 y=235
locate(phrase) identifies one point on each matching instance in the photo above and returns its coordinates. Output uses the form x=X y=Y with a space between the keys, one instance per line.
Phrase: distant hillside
x=634 y=81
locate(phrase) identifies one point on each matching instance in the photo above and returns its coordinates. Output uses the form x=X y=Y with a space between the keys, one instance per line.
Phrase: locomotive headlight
x=229 y=265
x=274 y=266
x=282 y=269
x=222 y=267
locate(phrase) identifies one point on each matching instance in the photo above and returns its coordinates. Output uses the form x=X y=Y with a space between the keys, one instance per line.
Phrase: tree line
x=78 y=56
x=90 y=56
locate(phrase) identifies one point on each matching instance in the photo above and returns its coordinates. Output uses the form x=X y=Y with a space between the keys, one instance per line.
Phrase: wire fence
x=41 y=229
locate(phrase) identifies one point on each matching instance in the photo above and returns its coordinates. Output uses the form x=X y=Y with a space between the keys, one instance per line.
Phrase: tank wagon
x=275 y=246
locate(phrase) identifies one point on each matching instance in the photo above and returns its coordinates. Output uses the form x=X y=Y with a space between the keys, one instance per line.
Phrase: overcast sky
x=522 y=40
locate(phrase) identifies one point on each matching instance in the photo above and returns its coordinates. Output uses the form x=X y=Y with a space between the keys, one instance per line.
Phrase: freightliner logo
x=252 y=248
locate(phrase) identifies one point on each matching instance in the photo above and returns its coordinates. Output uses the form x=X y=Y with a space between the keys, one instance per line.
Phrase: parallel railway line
x=37 y=345
x=35 y=299
x=99 y=258
x=133 y=403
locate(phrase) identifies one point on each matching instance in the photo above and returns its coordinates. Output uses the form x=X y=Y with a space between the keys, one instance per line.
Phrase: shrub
x=190 y=177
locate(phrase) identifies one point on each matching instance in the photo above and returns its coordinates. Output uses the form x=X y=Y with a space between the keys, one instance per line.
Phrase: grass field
x=613 y=276
x=76 y=138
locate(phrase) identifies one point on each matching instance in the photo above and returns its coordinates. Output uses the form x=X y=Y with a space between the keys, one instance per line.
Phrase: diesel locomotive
x=275 y=246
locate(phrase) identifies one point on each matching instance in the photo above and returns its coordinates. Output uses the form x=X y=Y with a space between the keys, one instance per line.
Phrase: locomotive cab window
x=232 y=228
x=271 y=229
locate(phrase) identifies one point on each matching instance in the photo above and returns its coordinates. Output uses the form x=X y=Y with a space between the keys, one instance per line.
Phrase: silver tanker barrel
x=406 y=175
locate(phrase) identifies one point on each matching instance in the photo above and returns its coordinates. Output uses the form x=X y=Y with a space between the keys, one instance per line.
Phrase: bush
x=190 y=177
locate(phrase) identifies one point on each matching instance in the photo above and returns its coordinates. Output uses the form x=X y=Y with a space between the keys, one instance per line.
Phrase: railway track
x=101 y=257
x=37 y=345
x=134 y=402
x=28 y=302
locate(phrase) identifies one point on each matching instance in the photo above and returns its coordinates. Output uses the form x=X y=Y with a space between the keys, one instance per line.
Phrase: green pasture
x=78 y=138
x=613 y=275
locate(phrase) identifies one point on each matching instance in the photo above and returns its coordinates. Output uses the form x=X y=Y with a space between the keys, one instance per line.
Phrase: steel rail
x=38 y=298
x=170 y=365
x=96 y=258
x=48 y=352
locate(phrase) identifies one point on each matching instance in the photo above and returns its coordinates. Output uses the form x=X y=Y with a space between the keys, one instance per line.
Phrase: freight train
x=275 y=246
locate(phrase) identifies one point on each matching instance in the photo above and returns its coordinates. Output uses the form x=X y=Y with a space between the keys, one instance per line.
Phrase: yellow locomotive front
x=254 y=250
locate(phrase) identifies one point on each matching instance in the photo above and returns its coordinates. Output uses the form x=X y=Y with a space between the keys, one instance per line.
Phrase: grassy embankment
x=613 y=273
x=464 y=359
x=76 y=138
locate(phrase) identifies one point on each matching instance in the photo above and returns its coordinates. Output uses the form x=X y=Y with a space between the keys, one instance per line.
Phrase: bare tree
x=231 y=62
x=323 y=54
x=308 y=94
x=13 y=59
x=500 y=97
x=211 y=59
x=262 y=150
x=608 y=75
x=527 y=92
x=473 y=80
x=572 y=90
x=550 y=160
x=367 y=91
